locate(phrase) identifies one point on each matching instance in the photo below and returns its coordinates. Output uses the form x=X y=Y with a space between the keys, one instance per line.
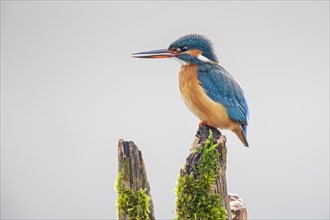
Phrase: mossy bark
x=134 y=197
x=219 y=186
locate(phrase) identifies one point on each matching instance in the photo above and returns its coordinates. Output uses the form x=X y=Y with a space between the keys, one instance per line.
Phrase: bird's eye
x=181 y=49
x=184 y=48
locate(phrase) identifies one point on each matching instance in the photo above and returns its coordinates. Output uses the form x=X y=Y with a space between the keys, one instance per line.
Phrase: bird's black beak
x=162 y=53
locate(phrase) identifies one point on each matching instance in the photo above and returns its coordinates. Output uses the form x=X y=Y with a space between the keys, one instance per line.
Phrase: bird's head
x=192 y=48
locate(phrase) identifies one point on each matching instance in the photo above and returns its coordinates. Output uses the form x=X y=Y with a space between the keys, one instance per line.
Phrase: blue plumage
x=221 y=87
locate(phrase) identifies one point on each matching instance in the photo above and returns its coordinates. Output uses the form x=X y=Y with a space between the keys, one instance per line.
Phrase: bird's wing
x=221 y=87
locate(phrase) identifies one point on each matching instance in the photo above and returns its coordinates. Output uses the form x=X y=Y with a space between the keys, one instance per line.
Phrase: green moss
x=135 y=205
x=194 y=198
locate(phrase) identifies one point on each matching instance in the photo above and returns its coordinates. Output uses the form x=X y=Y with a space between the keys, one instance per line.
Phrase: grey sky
x=70 y=90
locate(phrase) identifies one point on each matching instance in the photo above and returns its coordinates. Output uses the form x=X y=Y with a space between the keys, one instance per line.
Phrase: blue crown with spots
x=195 y=41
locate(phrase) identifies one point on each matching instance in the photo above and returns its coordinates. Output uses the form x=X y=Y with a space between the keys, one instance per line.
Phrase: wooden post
x=134 y=197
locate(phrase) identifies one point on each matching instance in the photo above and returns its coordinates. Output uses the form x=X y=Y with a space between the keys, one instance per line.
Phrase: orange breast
x=207 y=110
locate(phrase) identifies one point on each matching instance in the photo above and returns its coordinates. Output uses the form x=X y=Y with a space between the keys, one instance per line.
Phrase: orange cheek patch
x=194 y=52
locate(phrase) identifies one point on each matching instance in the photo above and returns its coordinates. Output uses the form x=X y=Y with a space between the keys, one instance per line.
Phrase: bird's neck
x=188 y=72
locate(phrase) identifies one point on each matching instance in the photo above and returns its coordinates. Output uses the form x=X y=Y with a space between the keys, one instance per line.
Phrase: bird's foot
x=203 y=132
x=201 y=123
x=206 y=126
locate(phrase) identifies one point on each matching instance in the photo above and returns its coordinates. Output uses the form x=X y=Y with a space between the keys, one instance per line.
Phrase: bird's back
x=222 y=88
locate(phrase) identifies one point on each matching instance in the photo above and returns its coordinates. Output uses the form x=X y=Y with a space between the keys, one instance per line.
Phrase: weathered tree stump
x=134 y=197
x=220 y=186
x=201 y=189
x=205 y=172
x=233 y=210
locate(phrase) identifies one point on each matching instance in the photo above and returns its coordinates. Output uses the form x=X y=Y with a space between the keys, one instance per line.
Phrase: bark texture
x=233 y=204
x=237 y=207
x=134 y=175
x=220 y=186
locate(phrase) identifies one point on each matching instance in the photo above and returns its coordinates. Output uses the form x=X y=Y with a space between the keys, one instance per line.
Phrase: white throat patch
x=204 y=59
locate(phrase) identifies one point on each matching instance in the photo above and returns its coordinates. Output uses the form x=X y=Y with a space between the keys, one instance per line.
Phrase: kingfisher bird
x=209 y=91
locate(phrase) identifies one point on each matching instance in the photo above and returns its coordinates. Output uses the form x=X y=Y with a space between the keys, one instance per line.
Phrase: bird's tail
x=241 y=134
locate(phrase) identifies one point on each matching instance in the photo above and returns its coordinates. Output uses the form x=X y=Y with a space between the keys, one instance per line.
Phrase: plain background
x=70 y=90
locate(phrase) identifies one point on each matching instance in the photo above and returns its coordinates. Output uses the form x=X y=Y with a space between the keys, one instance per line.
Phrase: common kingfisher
x=209 y=91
